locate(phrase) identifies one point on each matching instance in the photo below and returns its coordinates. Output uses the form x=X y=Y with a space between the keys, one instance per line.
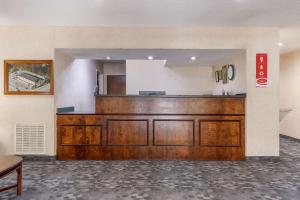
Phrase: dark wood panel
x=72 y=153
x=173 y=132
x=93 y=135
x=123 y=152
x=80 y=135
x=164 y=105
x=116 y=84
x=72 y=135
x=79 y=119
x=220 y=133
x=198 y=132
x=70 y=119
x=127 y=132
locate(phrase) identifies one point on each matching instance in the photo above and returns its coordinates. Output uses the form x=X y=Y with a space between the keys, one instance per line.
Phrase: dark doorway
x=116 y=84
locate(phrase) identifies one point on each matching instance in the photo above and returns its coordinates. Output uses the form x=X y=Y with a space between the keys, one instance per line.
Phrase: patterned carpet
x=121 y=180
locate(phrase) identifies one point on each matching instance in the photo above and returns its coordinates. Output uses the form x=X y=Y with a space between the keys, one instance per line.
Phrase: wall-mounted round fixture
x=150 y=57
x=193 y=58
x=230 y=72
x=108 y=58
x=280 y=44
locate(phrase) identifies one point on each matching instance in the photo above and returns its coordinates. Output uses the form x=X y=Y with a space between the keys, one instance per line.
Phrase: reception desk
x=155 y=127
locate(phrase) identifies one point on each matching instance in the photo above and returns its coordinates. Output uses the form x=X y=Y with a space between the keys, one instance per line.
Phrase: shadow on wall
x=2 y=148
x=283 y=113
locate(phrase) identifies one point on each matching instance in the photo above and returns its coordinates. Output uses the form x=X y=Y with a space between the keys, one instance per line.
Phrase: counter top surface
x=77 y=113
x=178 y=96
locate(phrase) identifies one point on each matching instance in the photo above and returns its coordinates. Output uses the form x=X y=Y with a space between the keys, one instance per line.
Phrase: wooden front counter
x=145 y=127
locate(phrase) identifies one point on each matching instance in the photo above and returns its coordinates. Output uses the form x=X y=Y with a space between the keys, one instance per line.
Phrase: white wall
x=75 y=81
x=153 y=75
x=290 y=94
x=114 y=68
x=238 y=84
x=262 y=109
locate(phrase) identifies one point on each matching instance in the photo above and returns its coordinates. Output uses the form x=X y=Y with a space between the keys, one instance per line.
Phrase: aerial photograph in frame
x=28 y=77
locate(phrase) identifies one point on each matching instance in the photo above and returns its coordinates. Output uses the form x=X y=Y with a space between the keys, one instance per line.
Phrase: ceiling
x=174 y=57
x=273 y=13
x=282 y=13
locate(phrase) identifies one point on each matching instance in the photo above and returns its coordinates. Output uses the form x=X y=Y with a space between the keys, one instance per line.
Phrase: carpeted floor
x=121 y=180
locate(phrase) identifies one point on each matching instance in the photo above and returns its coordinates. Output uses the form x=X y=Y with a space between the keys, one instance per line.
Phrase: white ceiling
x=174 y=57
x=279 y=13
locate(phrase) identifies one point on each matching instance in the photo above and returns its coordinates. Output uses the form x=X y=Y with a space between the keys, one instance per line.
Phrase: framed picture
x=224 y=74
x=217 y=78
x=28 y=77
x=220 y=75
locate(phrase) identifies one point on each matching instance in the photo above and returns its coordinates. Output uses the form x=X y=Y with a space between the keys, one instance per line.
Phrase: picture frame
x=28 y=77
x=220 y=75
x=217 y=76
x=224 y=74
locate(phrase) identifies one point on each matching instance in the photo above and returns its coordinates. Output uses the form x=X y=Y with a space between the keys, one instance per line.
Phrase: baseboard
x=263 y=158
x=290 y=138
x=38 y=158
x=53 y=158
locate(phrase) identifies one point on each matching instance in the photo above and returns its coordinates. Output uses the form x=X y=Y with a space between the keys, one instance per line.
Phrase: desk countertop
x=178 y=96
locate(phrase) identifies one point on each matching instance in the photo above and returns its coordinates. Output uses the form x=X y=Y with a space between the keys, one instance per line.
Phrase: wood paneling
x=72 y=135
x=220 y=133
x=93 y=135
x=139 y=135
x=79 y=119
x=80 y=135
x=127 y=132
x=173 y=132
x=116 y=84
x=72 y=153
x=169 y=105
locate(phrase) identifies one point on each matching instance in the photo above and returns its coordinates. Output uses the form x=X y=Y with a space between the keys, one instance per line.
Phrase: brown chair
x=9 y=164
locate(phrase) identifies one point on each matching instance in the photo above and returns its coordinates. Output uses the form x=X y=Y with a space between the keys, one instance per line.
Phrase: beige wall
x=238 y=84
x=290 y=94
x=40 y=43
x=153 y=75
x=25 y=43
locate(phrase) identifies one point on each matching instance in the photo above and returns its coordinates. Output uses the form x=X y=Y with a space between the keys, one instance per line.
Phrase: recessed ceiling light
x=108 y=57
x=193 y=58
x=280 y=44
x=150 y=57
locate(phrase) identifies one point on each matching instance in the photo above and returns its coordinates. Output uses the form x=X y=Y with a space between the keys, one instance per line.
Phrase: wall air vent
x=29 y=139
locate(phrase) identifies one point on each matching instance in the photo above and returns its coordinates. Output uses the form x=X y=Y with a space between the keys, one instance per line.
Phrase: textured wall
x=238 y=84
x=262 y=126
x=290 y=94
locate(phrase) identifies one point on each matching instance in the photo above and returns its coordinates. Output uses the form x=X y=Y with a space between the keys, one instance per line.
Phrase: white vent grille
x=30 y=139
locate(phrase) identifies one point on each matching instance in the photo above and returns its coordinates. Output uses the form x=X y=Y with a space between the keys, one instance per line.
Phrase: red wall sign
x=261 y=70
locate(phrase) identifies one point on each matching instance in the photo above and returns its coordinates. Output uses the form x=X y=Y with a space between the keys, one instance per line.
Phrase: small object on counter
x=152 y=92
x=66 y=109
x=229 y=93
